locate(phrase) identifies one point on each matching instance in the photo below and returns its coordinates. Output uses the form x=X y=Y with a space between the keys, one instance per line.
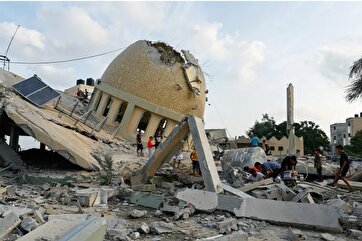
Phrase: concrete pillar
x=290 y=120
x=94 y=100
x=113 y=112
x=42 y=146
x=169 y=127
x=134 y=121
x=152 y=125
x=103 y=104
x=126 y=118
x=14 y=137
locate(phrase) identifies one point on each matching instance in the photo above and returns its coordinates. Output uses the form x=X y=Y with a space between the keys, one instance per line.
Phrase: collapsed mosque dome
x=157 y=73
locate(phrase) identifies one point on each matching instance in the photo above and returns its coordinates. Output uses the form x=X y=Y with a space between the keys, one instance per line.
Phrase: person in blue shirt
x=255 y=141
x=269 y=168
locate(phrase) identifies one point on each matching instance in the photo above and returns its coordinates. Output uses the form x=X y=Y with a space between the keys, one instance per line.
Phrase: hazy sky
x=250 y=51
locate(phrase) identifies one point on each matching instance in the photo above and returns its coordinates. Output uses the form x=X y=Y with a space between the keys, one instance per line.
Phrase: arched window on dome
x=142 y=125
x=108 y=106
x=121 y=112
x=162 y=125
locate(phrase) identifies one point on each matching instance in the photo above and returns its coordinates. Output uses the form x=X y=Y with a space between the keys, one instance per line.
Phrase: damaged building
x=149 y=87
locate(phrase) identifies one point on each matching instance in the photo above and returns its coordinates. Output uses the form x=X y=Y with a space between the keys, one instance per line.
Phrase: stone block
x=327 y=237
x=340 y=204
x=137 y=213
x=8 y=223
x=7 y=209
x=144 y=187
x=159 y=227
x=87 y=199
x=147 y=199
x=356 y=234
x=201 y=200
x=144 y=228
x=28 y=224
x=357 y=208
x=295 y=235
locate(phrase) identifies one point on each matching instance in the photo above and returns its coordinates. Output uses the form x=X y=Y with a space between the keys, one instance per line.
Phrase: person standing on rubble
x=195 y=162
x=318 y=163
x=344 y=167
x=151 y=147
x=158 y=138
x=254 y=141
x=139 y=143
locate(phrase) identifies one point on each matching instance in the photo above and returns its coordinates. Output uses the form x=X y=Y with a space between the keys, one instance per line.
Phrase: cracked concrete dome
x=155 y=72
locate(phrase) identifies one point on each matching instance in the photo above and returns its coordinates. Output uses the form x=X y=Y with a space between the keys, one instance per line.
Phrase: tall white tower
x=290 y=120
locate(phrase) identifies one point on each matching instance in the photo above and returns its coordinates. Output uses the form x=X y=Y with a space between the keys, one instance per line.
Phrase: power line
x=67 y=60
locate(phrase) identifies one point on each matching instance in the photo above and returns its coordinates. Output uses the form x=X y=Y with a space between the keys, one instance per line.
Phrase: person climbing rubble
x=288 y=165
x=254 y=176
x=269 y=168
x=344 y=167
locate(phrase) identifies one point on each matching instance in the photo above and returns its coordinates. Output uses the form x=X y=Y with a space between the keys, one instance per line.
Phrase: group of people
x=255 y=142
x=272 y=169
x=82 y=95
x=152 y=143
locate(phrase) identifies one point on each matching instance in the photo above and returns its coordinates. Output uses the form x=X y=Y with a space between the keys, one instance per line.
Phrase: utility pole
x=7 y=49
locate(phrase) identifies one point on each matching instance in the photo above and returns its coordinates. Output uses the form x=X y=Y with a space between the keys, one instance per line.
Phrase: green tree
x=264 y=128
x=312 y=134
x=354 y=89
x=356 y=144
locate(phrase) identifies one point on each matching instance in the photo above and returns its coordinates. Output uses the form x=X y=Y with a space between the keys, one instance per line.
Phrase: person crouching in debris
x=195 y=162
x=139 y=143
x=150 y=146
x=254 y=175
x=269 y=168
x=318 y=163
x=344 y=167
x=288 y=165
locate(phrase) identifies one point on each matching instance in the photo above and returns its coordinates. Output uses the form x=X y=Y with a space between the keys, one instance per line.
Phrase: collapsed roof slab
x=38 y=123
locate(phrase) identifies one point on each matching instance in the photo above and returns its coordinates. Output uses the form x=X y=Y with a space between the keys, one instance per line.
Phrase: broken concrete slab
x=7 y=209
x=305 y=215
x=356 y=234
x=201 y=200
x=340 y=204
x=357 y=208
x=28 y=224
x=144 y=228
x=234 y=191
x=137 y=213
x=239 y=236
x=53 y=229
x=144 y=187
x=327 y=237
x=159 y=227
x=147 y=199
x=68 y=217
x=251 y=186
x=93 y=229
x=8 y=223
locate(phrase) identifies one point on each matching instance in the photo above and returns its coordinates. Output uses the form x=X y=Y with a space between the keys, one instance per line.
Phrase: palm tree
x=354 y=89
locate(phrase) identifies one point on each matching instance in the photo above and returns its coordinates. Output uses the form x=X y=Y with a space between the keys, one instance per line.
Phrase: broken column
x=290 y=120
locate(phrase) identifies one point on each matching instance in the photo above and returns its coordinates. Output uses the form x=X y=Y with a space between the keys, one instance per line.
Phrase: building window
x=122 y=110
x=142 y=125
x=349 y=123
x=334 y=138
x=349 y=134
x=272 y=148
x=108 y=106
x=344 y=135
x=280 y=148
x=98 y=101
x=334 y=128
x=162 y=125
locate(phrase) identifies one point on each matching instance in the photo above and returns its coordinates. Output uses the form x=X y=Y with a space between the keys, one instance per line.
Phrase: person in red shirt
x=248 y=169
x=151 y=147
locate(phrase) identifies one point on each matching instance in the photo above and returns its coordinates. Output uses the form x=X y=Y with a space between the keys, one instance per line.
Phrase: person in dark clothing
x=269 y=168
x=318 y=163
x=344 y=167
x=139 y=143
x=158 y=138
x=288 y=164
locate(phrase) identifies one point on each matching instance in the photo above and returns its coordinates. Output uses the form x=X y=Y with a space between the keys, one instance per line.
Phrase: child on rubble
x=151 y=147
x=195 y=162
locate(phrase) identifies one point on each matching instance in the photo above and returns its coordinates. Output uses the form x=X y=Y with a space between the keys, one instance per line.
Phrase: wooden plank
x=8 y=223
